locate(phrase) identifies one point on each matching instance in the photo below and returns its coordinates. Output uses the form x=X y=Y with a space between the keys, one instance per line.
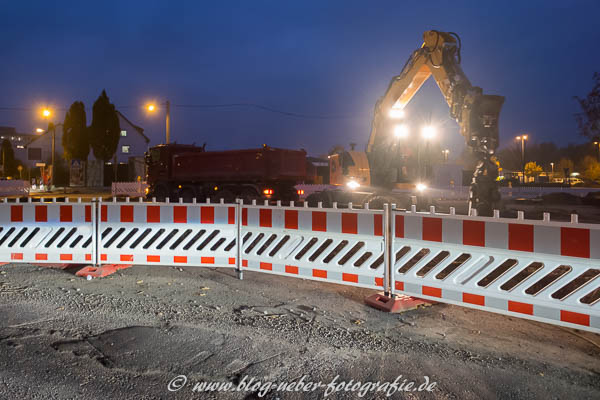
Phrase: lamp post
x=597 y=145
x=46 y=113
x=151 y=108
x=552 y=174
x=522 y=138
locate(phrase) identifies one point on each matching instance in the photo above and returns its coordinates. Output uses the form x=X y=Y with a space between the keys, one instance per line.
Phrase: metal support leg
x=238 y=240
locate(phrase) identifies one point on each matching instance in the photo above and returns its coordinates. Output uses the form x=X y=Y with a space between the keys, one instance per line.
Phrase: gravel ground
x=129 y=335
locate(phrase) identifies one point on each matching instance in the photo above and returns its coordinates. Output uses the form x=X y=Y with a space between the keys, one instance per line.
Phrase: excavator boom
x=476 y=113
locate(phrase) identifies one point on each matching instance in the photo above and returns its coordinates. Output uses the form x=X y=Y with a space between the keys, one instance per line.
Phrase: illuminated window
x=124 y=149
x=123 y=133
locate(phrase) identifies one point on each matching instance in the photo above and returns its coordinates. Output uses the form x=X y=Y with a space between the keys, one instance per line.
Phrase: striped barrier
x=47 y=232
x=540 y=270
x=333 y=245
x=167 y=234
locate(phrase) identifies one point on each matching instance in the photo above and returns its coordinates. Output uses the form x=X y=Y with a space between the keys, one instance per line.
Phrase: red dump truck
x=188 y=171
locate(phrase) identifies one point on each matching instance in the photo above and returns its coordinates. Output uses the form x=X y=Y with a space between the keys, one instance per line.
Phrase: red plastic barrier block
x=432 y=229
x=153 y=214
x=291 y=219
x=16 y=213
x=520 y=237
x=207 y=215
x=575 y=242
x=66 y=213
x=126 y=213
x=474 y=233
x=41 y=213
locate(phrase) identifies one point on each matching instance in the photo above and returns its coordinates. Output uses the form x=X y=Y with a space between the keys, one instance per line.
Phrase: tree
x=588 y=121
x=75 y=140
x=590 y=168
x=532 y=169
x=564 y=163
x=105 y=129
x=8 y=161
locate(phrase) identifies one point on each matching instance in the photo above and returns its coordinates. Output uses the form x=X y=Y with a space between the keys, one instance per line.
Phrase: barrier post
x=387 y=250
x=238 y=240
x=94 y=207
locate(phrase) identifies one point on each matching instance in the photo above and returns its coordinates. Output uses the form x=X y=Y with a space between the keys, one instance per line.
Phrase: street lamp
x=39 y=130
x=46 y=113
x=597 y=143
x=152 y=107
x=522 y=138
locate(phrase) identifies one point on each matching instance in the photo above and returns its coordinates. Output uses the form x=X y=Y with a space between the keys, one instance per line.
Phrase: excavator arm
x=476 y=113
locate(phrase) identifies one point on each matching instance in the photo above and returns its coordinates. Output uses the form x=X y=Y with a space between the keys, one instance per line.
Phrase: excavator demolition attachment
x=476 y=113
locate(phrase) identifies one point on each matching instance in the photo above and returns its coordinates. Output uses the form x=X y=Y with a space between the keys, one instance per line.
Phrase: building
x=18 y=142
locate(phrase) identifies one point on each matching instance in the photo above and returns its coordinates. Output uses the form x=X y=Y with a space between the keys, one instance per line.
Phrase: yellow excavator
x=367 y=177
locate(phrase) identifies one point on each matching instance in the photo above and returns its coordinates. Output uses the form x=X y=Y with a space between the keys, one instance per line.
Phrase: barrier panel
x=129 y=189
x=540 y=270
x=47 y=232
x=167 y=234
x=333 y=245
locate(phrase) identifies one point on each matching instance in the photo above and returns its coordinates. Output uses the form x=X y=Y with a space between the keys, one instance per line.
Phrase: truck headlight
x=353 y=184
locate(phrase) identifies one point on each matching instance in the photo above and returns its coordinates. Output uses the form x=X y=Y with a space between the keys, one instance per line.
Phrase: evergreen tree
x=105 y=129
x=588 y=121
x=75 y=140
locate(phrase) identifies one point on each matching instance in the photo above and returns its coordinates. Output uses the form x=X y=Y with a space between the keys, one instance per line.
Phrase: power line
x=224 y=105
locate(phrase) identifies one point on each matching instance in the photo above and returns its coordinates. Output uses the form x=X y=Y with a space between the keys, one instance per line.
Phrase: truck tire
x=187 y=194
x=225 y=194
x=248 y=194
x=160 y=192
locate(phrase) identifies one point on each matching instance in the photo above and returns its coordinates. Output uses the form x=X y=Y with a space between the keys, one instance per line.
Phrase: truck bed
x=263 y=164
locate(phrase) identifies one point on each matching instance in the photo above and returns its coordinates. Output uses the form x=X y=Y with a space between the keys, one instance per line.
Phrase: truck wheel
x=249 y=194
x=376 y=202
x=224 y=194
x=187 y=195
x=160 y=192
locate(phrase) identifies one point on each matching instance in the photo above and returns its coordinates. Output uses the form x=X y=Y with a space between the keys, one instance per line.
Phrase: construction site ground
x=131 y=334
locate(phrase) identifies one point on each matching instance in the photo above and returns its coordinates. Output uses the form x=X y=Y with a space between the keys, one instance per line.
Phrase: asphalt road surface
x=159 y=332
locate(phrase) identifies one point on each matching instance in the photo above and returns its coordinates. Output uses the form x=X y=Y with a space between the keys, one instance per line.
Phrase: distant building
x=18 y=142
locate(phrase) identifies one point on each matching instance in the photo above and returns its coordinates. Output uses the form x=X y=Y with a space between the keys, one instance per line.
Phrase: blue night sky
x=310 y=57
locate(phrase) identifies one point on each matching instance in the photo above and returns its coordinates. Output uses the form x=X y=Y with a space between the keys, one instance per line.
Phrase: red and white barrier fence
x=167 y=234
x=47 y=232
x=541 y=270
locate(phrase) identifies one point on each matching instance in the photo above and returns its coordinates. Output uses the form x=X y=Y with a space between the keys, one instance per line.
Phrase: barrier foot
x=240 y=275
x=395 y=304
x=101 y=271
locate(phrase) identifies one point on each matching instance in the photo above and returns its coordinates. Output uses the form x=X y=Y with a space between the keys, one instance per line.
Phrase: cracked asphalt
x=131 y=334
